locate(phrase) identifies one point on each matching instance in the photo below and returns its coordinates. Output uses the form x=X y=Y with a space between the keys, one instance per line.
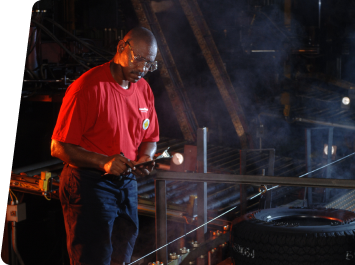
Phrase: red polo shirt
x=100 y=116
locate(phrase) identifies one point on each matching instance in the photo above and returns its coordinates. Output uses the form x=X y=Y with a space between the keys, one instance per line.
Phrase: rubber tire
x=255 y=241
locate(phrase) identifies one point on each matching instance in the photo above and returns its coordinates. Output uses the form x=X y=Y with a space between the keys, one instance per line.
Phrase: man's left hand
x=143 y=170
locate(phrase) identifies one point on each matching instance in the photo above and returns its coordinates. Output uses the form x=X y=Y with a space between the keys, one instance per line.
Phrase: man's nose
x=142 y=67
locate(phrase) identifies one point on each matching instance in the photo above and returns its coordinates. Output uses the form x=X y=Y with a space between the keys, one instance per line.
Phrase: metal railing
x=203 y=178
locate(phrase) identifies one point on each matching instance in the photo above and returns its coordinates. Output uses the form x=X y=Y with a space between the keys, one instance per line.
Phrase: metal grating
x=219 y=160
x=345 y=202
x=315 y=105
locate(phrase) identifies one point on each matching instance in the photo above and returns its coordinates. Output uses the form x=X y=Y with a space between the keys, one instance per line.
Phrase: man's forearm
x=77 y=156
x=148 y=149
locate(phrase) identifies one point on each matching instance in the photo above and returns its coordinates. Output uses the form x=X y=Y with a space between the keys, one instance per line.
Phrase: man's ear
x=120 y=46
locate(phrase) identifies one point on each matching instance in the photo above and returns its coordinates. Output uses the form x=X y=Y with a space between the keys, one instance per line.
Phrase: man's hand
x=144 y=170
x=118 y=165
x=146 y=151
x=77 y=156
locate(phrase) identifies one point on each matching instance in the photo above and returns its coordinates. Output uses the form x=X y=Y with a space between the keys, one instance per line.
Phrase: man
x=106 y=125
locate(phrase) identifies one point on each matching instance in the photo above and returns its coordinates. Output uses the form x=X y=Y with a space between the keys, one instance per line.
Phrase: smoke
x=258 y=75
x=262 y=54
x=348 y=60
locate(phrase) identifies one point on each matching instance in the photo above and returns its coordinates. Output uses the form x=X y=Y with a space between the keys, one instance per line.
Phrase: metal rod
x=258 y=180
x=215 y=150
x=202 y=187
x=326 y=123
x=14 y=243
x=242 y=188
x=161 y=220
x=309 y=168
x=220 y=153
x=237 y=164
x=202 y=150
x=329 y=159
x=224 y=165
x=285 y=163
x=319 y=13
x=270 y=170
x=43 y=81
x=37 y=166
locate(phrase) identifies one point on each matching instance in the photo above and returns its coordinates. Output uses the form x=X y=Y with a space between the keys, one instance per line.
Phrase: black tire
x=296 y=236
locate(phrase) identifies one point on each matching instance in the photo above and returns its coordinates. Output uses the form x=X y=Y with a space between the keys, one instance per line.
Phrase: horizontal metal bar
x=258 y=150
x=350 y=127
x=263 y=50
x=37 y=166
x=43 y=81
x=258 y=180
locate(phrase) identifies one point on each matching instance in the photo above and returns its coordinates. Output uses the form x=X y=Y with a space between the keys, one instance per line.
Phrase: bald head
x=135 y=55
x=139 y=34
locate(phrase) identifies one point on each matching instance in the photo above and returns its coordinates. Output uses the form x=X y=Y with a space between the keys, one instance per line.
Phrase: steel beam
x=243 y=191
x=331 y=124
x=217 y=68
x=258 y=180
x=309 y=167
x=161 y=220
x=202 y=187
x=202 y=150
x=168 y=72
x=329 y=160
x=270 y=171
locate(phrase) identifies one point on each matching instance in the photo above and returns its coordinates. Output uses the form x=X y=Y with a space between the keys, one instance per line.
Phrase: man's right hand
x=80 y=157
x=118 y=165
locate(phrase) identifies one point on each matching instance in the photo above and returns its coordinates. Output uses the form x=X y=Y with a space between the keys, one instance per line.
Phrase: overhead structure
x=168 y=71
x=217 y=68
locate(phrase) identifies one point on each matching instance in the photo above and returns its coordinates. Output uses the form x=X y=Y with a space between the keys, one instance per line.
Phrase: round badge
x=146 y=124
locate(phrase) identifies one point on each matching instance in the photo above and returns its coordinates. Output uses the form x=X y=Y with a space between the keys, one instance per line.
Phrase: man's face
x=136 y=56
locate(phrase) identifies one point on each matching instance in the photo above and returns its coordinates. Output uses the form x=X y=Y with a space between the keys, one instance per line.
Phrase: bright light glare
x=345 y=100
x=178 y=159
x=326 y=149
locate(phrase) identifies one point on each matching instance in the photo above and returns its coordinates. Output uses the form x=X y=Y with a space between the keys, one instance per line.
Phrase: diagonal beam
x=215 y=63
x=168 y=71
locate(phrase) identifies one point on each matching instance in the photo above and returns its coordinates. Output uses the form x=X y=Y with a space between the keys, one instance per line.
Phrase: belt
x=92 y=170
x=102 y=173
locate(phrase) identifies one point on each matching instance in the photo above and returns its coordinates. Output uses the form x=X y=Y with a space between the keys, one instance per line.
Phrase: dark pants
x=100 y=215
